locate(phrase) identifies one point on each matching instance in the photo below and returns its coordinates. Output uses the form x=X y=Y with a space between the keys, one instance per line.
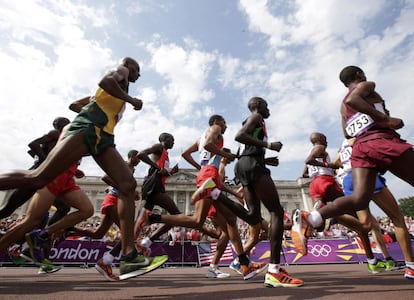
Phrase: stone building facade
x=293 y=193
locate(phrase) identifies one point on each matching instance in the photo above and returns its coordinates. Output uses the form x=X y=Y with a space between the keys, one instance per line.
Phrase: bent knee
x=367 y=226
x=128 y=187
x=86 y=212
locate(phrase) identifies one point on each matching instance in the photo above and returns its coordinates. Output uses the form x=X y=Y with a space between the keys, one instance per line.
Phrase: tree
x=407 y=206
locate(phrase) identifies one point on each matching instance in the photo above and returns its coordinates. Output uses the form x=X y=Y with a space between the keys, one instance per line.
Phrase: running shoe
x=301 y=230
x=130 y=266
x=409 y=273
x=216 y=273
x=235 y=266
x=379 y=266
x=390 y=265
x=252 y=269
x=14 y=252
x=393 y=265
x=36 y=244
x=106 y=270
x=141 y=221
x=48 y=267
x=204 y=191
x=146 y=251
x=398 y=265
x=281 y=279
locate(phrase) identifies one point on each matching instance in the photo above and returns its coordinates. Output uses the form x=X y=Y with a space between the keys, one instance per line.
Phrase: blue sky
x=203 y=57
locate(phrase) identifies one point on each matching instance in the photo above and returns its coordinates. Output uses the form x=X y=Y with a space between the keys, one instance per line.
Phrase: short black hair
x=254 y=103
x=163 y=136
x=349 y=74
x=60 y=122
x=132 y=153
x=214 y=118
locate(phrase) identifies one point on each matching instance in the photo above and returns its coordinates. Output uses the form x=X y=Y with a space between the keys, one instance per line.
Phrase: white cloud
x=186 y=72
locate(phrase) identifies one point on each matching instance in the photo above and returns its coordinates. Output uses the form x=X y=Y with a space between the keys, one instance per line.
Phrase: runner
x=209 y=189
x=377 y=148
x=92 y=133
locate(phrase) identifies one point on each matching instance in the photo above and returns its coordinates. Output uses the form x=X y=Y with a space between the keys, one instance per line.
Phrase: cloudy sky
x=200 y=58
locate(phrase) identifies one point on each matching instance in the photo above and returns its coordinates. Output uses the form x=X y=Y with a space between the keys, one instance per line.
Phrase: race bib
x=358 y=124
x=205 y=156
x=345 y=154
x=313 y=171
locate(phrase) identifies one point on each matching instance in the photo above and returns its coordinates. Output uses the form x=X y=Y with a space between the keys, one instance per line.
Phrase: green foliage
x=407 y=206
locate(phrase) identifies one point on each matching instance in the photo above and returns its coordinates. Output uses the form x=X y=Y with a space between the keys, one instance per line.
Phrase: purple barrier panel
x=177 y=252
x=79 y=251
x=85 y=251
x=325 y=251
x=319 y=251
x=393 y=248
x=395 y=251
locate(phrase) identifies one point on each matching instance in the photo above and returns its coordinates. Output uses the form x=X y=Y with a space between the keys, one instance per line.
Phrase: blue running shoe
x=36 y=244
x=235 y=266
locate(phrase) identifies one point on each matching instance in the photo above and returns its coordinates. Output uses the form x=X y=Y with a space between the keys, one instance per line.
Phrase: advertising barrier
x=82 y=252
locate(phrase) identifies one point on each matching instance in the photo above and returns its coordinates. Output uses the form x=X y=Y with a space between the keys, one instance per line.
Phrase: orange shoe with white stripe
x=301 y=230
x=252 y=269
x=281 y=279
x=409 y=273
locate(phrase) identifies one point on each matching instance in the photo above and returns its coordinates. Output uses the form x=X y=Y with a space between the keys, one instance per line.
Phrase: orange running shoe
x=409 y=273
x=301 y=230
x=106 y=271
x=252 y=269
x=281 y=279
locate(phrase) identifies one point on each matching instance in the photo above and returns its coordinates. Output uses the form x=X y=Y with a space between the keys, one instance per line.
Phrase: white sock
x=273 y=268
x=215 y=193
x=146 y=242
x=372 y=261
x=213 y=266
x=315 y=218
x=108 y=258
x=410 y=264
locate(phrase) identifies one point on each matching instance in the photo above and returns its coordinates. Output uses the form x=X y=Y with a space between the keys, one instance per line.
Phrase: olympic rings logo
x=319 y=250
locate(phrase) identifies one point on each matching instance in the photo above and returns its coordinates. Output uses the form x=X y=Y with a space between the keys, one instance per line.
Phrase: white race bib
x=358 y=124
x=205 y=155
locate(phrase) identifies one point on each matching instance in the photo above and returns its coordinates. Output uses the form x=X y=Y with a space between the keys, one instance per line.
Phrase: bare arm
x=337 y=162
x=362 y=98
x=305 y=173
x=189 y=158
x=36 y=145
x=272 y=161
x=319 y=151
x=112 y=84
x=155 y=149
x=77 y=105
x=244 y=135
x=213 y=136
x=343 y=121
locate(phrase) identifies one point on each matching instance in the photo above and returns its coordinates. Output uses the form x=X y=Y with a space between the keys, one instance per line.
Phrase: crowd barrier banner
x=200 y=253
